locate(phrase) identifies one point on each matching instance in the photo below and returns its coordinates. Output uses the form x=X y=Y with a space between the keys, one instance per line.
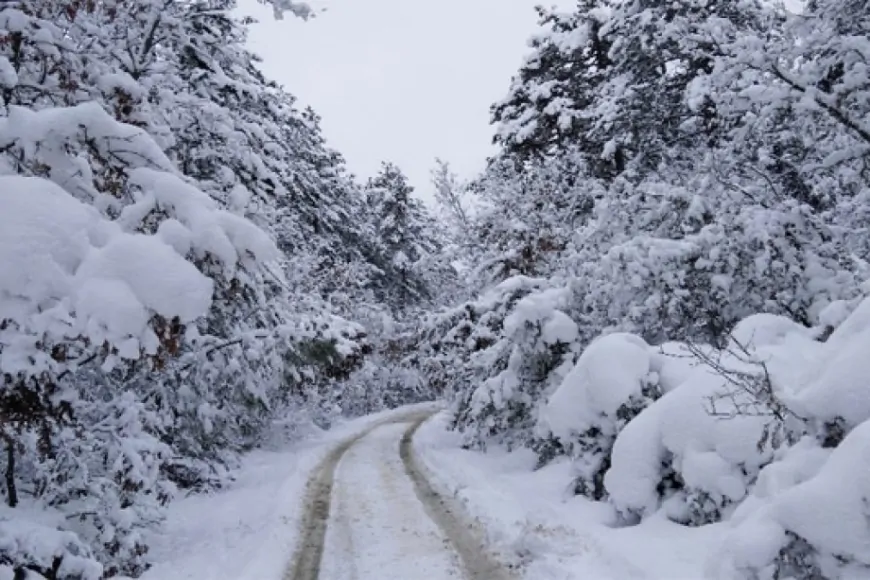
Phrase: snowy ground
x=533 y=522
x=378 y=528
x=248 y=531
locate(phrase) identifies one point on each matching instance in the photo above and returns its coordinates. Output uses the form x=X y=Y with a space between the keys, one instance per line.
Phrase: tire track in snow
x=378 y=528
x=306 y=561
x=464 y=534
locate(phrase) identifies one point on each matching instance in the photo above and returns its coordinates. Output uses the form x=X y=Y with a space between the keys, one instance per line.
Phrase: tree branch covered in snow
x=687 y=182
x=184 y=265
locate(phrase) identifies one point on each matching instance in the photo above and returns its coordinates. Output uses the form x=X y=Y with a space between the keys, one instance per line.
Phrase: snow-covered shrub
x=538 y=346
x=381 y=384
x=673 y=263
x=384 y=369
x=112 y=267
x=75 y=288
x=698 y=450
x=527 y=215
x=614 y=380
x=175 y=239
x=107 y=479
x=814 y=528
x=32 y=547
x=835 y=399
x=460 y=347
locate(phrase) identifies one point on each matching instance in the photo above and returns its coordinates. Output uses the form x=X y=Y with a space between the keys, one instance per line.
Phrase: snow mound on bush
x=30 y=538
x=807 y=516
x=818 y=526
x=705 y=441
x=535 y=351
x=209 y=229
x=840 y=389
x=610 y=371
x=763 y=330
x=674 y=362
x=65 y=271
x=541 y=309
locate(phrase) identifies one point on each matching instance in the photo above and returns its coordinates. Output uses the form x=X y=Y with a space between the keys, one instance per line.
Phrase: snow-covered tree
x=669 y=169
x=169 y=225
x=529 y=343
x=406 y=239
x=529 y=213
x=544 y=110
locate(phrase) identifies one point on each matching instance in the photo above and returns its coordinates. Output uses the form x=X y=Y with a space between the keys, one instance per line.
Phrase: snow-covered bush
x=381 y=383
x=78 y=288
x=169 y=223
x=457 y=348
x=527 y=215
x=614 y=380
x=835 y=398
x=31 y=546
x=688 y=262
x=537 y=348
x=814 y=526
x=698 y=450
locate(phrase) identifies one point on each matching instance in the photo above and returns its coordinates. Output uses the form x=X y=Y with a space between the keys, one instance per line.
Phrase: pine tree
x=550 y=102
x=169 y=152
x=405 y=235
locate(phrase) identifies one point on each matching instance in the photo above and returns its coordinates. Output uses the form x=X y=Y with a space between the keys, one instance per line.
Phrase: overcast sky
x=400 y=80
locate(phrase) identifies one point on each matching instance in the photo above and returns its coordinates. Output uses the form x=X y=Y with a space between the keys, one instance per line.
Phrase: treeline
x=186 y=269
x=675 y=218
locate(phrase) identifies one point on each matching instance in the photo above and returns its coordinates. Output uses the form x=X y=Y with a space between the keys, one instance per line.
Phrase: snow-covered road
x=372 y=515
x=376 y=498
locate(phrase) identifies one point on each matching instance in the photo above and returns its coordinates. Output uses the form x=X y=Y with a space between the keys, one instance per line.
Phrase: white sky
x=400 y=80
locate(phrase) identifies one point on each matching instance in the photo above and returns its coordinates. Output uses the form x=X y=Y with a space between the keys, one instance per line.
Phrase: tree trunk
x=11 y=491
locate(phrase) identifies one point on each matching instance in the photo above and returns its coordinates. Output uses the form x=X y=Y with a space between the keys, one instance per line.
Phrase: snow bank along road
x=371 y=514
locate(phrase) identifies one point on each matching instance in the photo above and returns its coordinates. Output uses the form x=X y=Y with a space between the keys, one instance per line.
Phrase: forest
x=661 y=276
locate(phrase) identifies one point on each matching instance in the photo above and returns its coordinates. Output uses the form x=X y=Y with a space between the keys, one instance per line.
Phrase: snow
x=31 y=535
x=760 y=330
x=853 y=326
x=222 y=234
x=301 y=10
x=542 y=306
x=8 y=76
x=793 y=465
x=782 y=500
x=827 y=510
x=610 y=370
x=249 y=530
x=245 y=532
x=637 y=457
x=707 y=451
x=673 y=362
x=43 y=236
x=380 y=529
x=841 y=390
x=835 y=313
x=64 y=269
x=532 y=522
x=827 y=379
x=559 y=328
x=45 y=133
x=157 y=279
x=758 y=449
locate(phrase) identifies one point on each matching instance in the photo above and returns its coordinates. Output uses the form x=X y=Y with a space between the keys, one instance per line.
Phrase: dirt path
x=372 y=515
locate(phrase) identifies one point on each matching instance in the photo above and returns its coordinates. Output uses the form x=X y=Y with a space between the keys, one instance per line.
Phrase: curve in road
x=371 y=513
